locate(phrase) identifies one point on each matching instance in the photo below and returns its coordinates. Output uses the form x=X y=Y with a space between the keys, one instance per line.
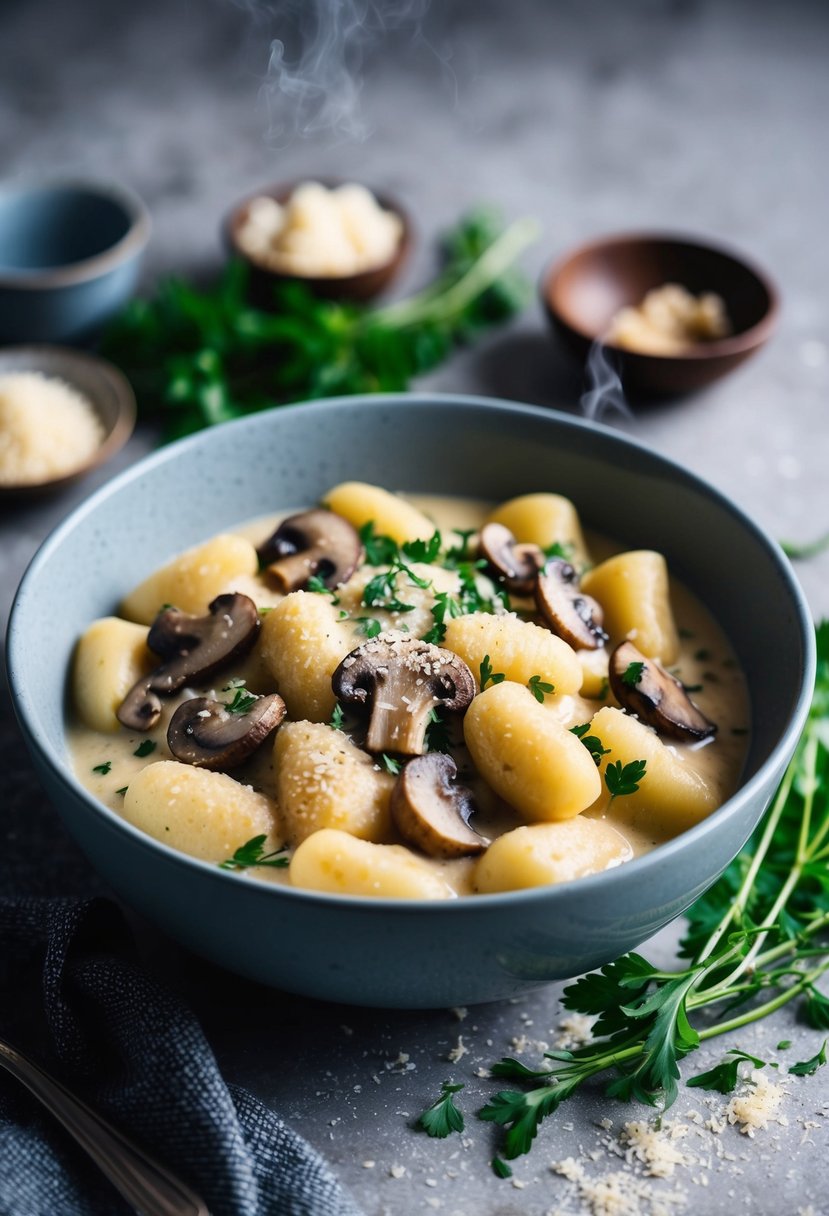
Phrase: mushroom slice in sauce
x=192 y=647
x=206 y=733
x=402 y=679
x=432 y=812
x=515 y=565
x=316 y=543
x=652 y=693
x=567 y=611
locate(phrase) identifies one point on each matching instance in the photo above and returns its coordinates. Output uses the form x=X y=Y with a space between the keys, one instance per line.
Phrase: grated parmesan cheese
x=47 y=429
x=757 y=1106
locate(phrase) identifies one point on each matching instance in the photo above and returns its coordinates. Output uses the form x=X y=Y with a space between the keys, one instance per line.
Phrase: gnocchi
x=419 y=728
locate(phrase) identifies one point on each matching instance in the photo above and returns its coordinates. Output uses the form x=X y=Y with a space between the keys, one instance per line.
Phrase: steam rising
x=603 y=394
x=315 y=73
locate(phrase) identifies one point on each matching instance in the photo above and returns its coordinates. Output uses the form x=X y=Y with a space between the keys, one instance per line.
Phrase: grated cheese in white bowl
x=47 y=429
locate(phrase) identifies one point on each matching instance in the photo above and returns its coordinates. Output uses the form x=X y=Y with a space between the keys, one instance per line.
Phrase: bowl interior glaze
x=401 y=953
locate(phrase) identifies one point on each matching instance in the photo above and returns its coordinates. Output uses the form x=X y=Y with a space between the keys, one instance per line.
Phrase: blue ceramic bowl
x=401 y=953
x=69 y=259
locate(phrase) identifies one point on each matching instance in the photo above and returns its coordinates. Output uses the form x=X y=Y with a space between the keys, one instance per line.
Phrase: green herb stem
x=435 y=306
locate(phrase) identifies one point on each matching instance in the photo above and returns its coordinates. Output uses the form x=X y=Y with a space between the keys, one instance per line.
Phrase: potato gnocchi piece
x=517 y=648
x=420 y=619
x=110 y=658
x=193 y=579
x=301 y=643
x=545 y=520
x=324 y=781
x=524 y=753
x=633 y=590
x=671 y=797
x=340 y=864
x=361 y=503
x=207 y=815
x=543 y=854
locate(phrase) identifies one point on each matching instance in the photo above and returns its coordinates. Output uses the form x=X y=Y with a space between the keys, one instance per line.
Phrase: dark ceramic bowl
x=584 y=290
x=103 y=386
x=69 y=259
x=390 y=952
x=357 y=288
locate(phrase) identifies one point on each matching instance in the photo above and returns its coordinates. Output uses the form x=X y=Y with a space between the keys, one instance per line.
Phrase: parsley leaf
x=252 y=853
x=337 y=716
x=390 y=765
x=633 y=674
x=380 y=550
x=368 y=626
x=488 y=676
x=145 y=748
x=500 y=1168
x=104 y=768
x=806 y=1068
x=622 y=780
x=592 y=742
x=566 y=550
x=445 y=605
x=317 y=585
x=122 y=790
x=425 y=551
x=242 y=702
x=437 y=733
x=724 y=1076
x=539 y=688
x=443 y=1117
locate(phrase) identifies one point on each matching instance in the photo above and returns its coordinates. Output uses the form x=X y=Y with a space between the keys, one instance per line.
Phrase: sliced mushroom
x=567 y=611
x=205 y=733
x=515 y=565
x=314 y=543
x=192 y=647
x=432 y=812
x=402 y=679
x=646 y=689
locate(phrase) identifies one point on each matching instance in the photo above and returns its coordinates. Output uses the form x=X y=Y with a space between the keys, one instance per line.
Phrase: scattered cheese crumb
x=397 y=1171
x=757 y=1106
x=458 y=1051
x=459 y=1011
x=655 y=1148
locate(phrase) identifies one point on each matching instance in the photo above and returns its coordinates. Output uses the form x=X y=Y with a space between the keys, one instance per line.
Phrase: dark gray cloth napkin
x=70 y=978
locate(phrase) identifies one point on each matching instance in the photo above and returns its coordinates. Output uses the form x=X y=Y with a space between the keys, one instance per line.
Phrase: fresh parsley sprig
x=622 y=780
x=487 y=675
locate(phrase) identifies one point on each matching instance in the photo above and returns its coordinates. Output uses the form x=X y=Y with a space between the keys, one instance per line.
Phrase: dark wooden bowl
x=356 y=288
x=584 y=290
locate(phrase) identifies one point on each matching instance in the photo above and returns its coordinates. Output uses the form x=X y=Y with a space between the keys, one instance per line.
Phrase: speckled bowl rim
x=734 y=344
x=639 y=867
x=42 y=278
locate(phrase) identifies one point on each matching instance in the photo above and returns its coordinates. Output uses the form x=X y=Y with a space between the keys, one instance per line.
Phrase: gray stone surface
x=594 y=117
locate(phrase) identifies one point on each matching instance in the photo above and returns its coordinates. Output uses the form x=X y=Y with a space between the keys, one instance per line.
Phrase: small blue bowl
x=409 y=953
x=69 y=259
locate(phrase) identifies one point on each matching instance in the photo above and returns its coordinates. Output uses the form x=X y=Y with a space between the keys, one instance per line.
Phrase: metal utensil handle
x=150 y=1188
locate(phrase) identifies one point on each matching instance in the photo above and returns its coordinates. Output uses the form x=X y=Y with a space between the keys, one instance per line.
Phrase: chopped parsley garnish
x=633 y=674
x=145 y=748
x=443 y=1117
x=693 y=687
x=380 y=550
x=702 y=655
x=252 y=853
x=104 y=768
x=622 y=780
x=784 y=1045
x=336 y=722
x=604 y=689
x=592 y=742
x=317 y=585
x=425 y=551
x=565 y=551
x=368 y=626
x=445 y=605
x=460 y=552
x=122 y=790
x=390 y=765
x=488 y=676
x=801 y=552
x=539 y=688
x=242 y=702
x=500 y=1168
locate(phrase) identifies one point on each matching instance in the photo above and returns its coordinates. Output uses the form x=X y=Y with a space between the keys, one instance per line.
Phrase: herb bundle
x=199 y=357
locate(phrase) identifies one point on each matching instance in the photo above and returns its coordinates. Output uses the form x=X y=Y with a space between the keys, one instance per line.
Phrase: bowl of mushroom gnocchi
x=409 y=700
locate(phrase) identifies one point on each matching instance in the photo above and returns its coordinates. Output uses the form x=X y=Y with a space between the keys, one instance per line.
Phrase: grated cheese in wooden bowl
x=47 y=429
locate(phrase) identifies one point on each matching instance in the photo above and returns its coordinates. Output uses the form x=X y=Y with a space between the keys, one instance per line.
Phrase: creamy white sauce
x=706 y=660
